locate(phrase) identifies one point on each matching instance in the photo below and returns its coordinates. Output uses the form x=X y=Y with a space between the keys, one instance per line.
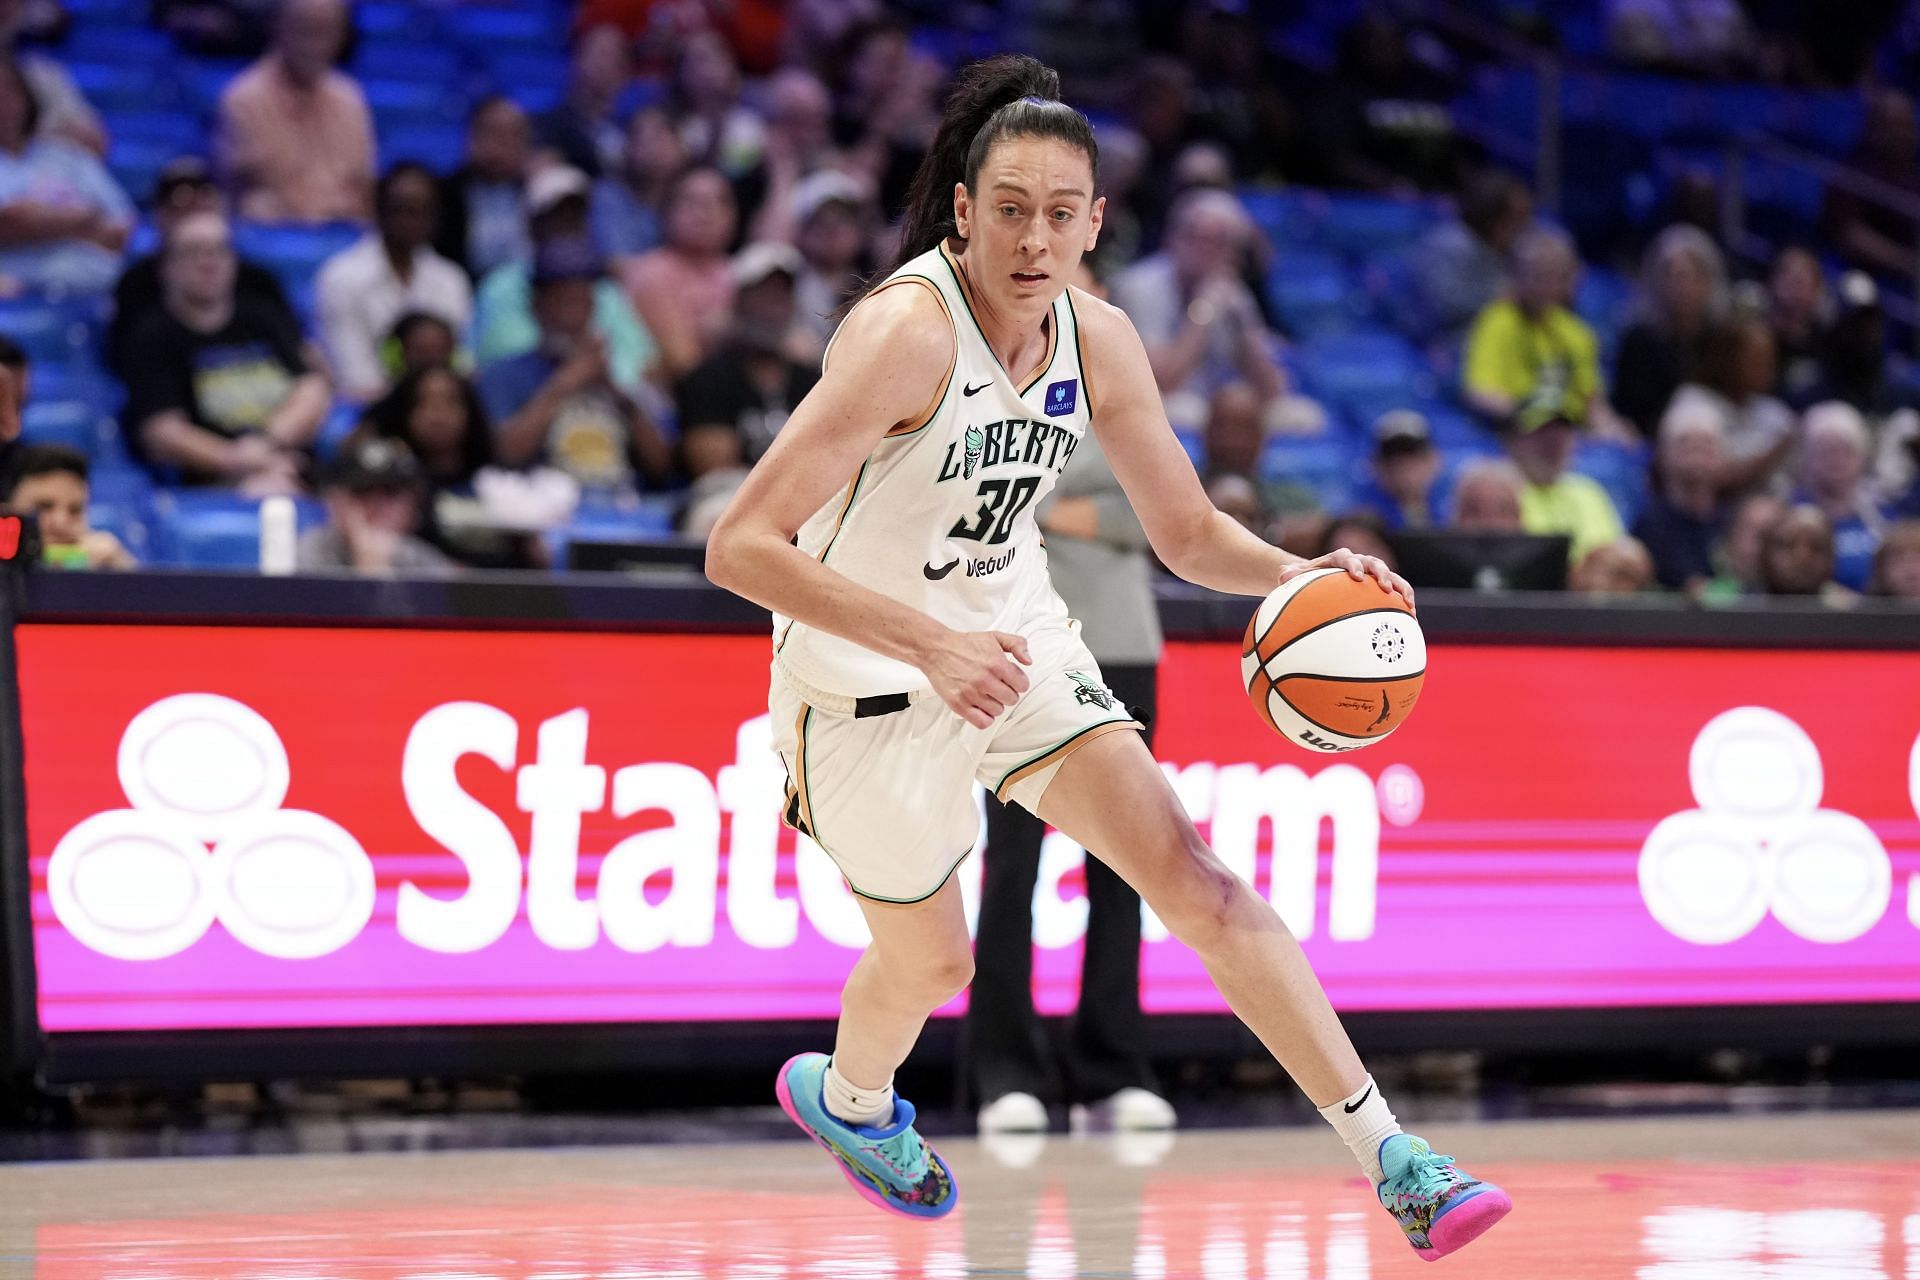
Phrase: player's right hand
x=978 y=675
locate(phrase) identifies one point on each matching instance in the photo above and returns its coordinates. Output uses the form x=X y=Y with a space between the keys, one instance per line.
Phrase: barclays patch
x=1062 y=398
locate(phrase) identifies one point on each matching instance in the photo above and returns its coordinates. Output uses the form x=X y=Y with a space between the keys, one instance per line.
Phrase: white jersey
x=940 y=516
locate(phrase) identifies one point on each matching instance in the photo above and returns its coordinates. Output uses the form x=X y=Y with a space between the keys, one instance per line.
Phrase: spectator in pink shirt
x=683 y=290
x=295 y=135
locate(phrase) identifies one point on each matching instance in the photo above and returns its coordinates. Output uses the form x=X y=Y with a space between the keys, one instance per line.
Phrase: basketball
x=1332 y=662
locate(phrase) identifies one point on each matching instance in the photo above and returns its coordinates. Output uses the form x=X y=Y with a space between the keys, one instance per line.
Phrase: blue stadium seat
x=115 y=11
x=496 y=26
x=133 y=44
x=50 y=332
x=403 y=60
x=293 y=251
x=441 y=147
x=535 y=78
x=148 y=123
x=213 y=528
x=76 y=380
x=1365 y=227
x=203 y=80
x=1620 y=469
x=1365 y=372
x=1286 y=217
x=1329 y=465
x=1194 y=441
x=1313 y=294
x=122 y=86
x=136 y=164
x=73 y=423
x=394 y=20
x=397 y=101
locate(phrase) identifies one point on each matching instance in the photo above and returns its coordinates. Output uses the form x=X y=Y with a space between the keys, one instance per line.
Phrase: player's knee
x=951 y=975
x=1199 y=896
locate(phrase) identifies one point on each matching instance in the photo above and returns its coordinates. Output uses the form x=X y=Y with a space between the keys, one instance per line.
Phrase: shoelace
x=1427 y=1176
x=904 y=1154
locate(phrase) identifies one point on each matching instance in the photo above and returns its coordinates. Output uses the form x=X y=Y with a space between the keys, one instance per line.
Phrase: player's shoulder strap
x=923 y=272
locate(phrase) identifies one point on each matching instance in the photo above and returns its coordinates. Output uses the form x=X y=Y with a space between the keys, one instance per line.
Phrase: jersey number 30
x=1001 y=502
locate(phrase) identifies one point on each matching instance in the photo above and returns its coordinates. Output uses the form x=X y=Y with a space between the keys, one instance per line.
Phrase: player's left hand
x=1361 y=567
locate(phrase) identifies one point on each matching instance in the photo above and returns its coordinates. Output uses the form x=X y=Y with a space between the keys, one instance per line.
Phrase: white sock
x=1363 y=1123
x=847 y=1101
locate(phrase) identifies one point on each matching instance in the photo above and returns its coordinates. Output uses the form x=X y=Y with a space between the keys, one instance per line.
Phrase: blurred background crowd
x=474 y=283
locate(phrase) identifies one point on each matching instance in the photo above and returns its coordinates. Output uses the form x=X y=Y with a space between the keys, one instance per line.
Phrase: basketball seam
x=1357 y=737
x=1320 y=626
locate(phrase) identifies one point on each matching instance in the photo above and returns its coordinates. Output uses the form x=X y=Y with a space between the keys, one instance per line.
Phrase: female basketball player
x=919 y=646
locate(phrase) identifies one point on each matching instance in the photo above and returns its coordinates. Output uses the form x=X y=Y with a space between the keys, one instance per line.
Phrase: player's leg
x=1112 y=797
x=919 y=959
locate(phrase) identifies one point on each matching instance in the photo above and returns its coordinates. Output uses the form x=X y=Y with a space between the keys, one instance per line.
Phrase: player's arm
x=889 y=360
x=1192 y=537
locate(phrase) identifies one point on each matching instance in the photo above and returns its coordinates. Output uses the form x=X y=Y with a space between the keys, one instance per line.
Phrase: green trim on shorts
x=1061 y=745
x=902 y=902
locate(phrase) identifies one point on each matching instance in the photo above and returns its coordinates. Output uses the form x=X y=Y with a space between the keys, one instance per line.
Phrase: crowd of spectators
x=627 y=293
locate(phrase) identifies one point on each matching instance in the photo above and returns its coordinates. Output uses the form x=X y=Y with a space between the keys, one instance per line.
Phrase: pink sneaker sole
x=1460 y=1227
x=867 y=1193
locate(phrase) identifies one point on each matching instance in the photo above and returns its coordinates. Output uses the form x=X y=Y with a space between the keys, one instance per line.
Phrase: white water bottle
x=277 y=536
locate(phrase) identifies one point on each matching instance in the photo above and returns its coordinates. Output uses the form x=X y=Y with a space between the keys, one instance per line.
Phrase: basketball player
x=919 y=646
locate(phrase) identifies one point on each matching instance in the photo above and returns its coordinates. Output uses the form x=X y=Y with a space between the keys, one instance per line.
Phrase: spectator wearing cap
x=1555 y=500
x=483 y=203
x=1201 y=324
x=65 y=113
x=559 y=207
x=295 y=137
x=562 y=404
x=833 y=212
x=1461 y=265
x=1530 y=346
x=627 y=202
x=683 y=290
x=1405 y=472
x=218 y=387
x=49 y=481
x=67 y=219
x=1685 y=517
x=582 y=129
x=372 y=492
x=185 y=186
x=387 y=273
x=1834 y=478
x=735 y=401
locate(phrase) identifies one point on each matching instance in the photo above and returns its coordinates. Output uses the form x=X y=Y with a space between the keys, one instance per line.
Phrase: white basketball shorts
x=888 y=793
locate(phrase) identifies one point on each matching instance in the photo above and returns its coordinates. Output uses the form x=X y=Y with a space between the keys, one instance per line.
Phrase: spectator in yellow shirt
x=1529 y=346
x=1540 y=439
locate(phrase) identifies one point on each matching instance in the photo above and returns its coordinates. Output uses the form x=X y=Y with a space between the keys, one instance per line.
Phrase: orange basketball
x=1333 y=663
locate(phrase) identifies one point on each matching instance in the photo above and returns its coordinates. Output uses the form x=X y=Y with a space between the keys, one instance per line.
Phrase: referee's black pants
x=1101 y=1052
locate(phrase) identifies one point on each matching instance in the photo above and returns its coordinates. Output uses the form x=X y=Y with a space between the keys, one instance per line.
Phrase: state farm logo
x=1760 y=843
x=206 y=840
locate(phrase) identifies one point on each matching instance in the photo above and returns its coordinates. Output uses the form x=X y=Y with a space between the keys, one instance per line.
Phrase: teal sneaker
x=892 y=1167
x=1440 y=1208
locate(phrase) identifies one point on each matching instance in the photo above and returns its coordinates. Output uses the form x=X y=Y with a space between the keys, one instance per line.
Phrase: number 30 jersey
x=940 y=516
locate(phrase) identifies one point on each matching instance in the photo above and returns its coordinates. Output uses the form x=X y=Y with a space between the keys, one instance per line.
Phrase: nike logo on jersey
x=934 y=575
x=974 y=391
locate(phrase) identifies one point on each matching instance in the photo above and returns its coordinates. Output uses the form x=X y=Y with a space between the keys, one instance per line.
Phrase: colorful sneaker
x=891 y=1167
x=1440 y=1208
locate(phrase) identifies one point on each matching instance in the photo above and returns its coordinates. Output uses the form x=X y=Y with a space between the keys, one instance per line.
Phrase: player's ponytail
x=1010 y=95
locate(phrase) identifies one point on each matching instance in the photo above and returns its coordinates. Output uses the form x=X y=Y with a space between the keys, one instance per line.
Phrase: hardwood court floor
x=1809 y=1197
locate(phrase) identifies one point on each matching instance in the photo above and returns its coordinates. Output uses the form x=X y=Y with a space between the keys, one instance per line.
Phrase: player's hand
x=1361 y=567
x=978 y=675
